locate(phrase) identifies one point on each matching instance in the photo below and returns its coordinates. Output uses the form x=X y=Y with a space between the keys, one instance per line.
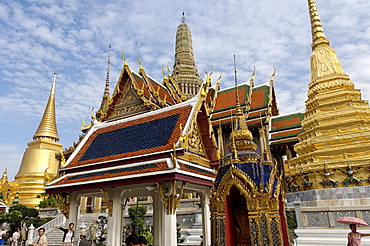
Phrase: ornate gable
x=128 y=103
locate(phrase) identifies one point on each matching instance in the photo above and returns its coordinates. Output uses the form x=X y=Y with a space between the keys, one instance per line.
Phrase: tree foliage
x=137 y=220
x=16 y=215
x=47 y=202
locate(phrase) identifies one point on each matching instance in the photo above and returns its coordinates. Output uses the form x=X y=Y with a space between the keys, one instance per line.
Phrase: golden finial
x=164 y=74
x=183 y=17
x=168 y=69
x=208 y=76
x=318 y=35
x=219 y=77
x=139 y=60
x=273 y=74
x=211 y=71
x=236 y=85
x=254 y=73
x=123 y=57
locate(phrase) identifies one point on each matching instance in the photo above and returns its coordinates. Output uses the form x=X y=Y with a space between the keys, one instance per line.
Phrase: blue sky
x=71 y=38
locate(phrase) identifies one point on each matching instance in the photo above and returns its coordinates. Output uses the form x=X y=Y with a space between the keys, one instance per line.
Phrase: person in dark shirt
x=83 y=240
x=142 y=241
x=132 y=240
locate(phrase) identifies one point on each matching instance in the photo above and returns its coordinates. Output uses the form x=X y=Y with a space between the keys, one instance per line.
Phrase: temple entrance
x=237 y=222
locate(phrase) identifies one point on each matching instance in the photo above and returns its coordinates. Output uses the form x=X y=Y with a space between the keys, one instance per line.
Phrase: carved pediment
x=128 y=103
x=194 y=141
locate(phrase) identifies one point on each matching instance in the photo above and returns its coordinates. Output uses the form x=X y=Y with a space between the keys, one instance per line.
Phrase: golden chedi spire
x=336 y=121
x=185 y=72
x=326 y=70
x=4 y=178
x=106 y=96
x=39 y=156
x=48 y=126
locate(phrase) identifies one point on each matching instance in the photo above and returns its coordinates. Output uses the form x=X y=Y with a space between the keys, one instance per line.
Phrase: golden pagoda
x=7 y=188
x=333 y=149
x=185 y=72
x=39 y=164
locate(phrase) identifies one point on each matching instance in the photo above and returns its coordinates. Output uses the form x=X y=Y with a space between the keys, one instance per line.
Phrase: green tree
x=17 y=214
x=19 y=207
x=137 y=219
x=47 y=201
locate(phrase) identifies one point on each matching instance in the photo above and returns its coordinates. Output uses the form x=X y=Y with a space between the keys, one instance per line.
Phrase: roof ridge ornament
x=123 y=57
x=183 y=17
x=139 y=60
x=318 y=35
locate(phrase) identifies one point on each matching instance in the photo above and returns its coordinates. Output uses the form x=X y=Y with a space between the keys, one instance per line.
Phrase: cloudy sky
x=71 y=38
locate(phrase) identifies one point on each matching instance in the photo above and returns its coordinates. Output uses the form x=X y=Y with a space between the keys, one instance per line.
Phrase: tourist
x=69 y=234
x=142 y=241
x=83 y=240
x=3 y=236
x=15 y=237
x=132 y=240
x=43 y=241
x=354 y=237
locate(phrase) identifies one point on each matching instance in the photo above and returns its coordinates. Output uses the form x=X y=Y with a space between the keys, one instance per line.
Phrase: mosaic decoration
x=254 y=231
x=365 y=215
x=338 y=214
x=185 y=219
x=317 y=219
x=274 y=232
x=264 y=231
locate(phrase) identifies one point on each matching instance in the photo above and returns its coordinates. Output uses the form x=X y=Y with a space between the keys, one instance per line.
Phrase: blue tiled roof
x=146 y=135
x=198 y=169
x=220 y=174
x=113 y=171
x=256 y=171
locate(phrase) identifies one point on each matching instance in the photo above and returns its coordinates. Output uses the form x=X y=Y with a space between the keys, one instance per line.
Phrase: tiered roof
x=285 y=129
x=225 y=104
x=154 y=146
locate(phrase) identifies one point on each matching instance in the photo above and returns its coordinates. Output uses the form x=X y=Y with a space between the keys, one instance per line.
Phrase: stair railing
x=57 y=221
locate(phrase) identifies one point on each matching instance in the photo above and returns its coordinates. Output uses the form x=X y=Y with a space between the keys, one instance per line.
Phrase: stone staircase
x=55 y=235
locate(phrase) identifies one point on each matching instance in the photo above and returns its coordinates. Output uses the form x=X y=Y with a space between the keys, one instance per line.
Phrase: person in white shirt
x=69 y=234
x=43 y=241
x=15 y=238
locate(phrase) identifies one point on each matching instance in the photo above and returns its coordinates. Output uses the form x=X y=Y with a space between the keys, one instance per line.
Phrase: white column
x=298 y=213
x=158 y=210
x=74 y=202
x=206 y=217
x=114 y=230
x=169 y=231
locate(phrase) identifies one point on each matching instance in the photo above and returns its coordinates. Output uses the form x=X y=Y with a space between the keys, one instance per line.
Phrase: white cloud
x=71 y=38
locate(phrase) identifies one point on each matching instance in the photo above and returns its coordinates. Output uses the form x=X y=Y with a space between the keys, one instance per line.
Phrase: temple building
x=245 y=163
x=158 y=140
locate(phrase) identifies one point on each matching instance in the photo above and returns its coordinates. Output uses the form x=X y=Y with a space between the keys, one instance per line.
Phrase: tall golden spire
x=185 y=72
x=106 y=96
x=325 y=64
x=106 y=89
x=336 y=119
x=241 y=139
x=318 y=35
x=48 y=126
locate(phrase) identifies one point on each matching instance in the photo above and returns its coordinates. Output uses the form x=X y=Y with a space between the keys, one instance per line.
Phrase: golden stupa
x=39 y=164
x=336 y=136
